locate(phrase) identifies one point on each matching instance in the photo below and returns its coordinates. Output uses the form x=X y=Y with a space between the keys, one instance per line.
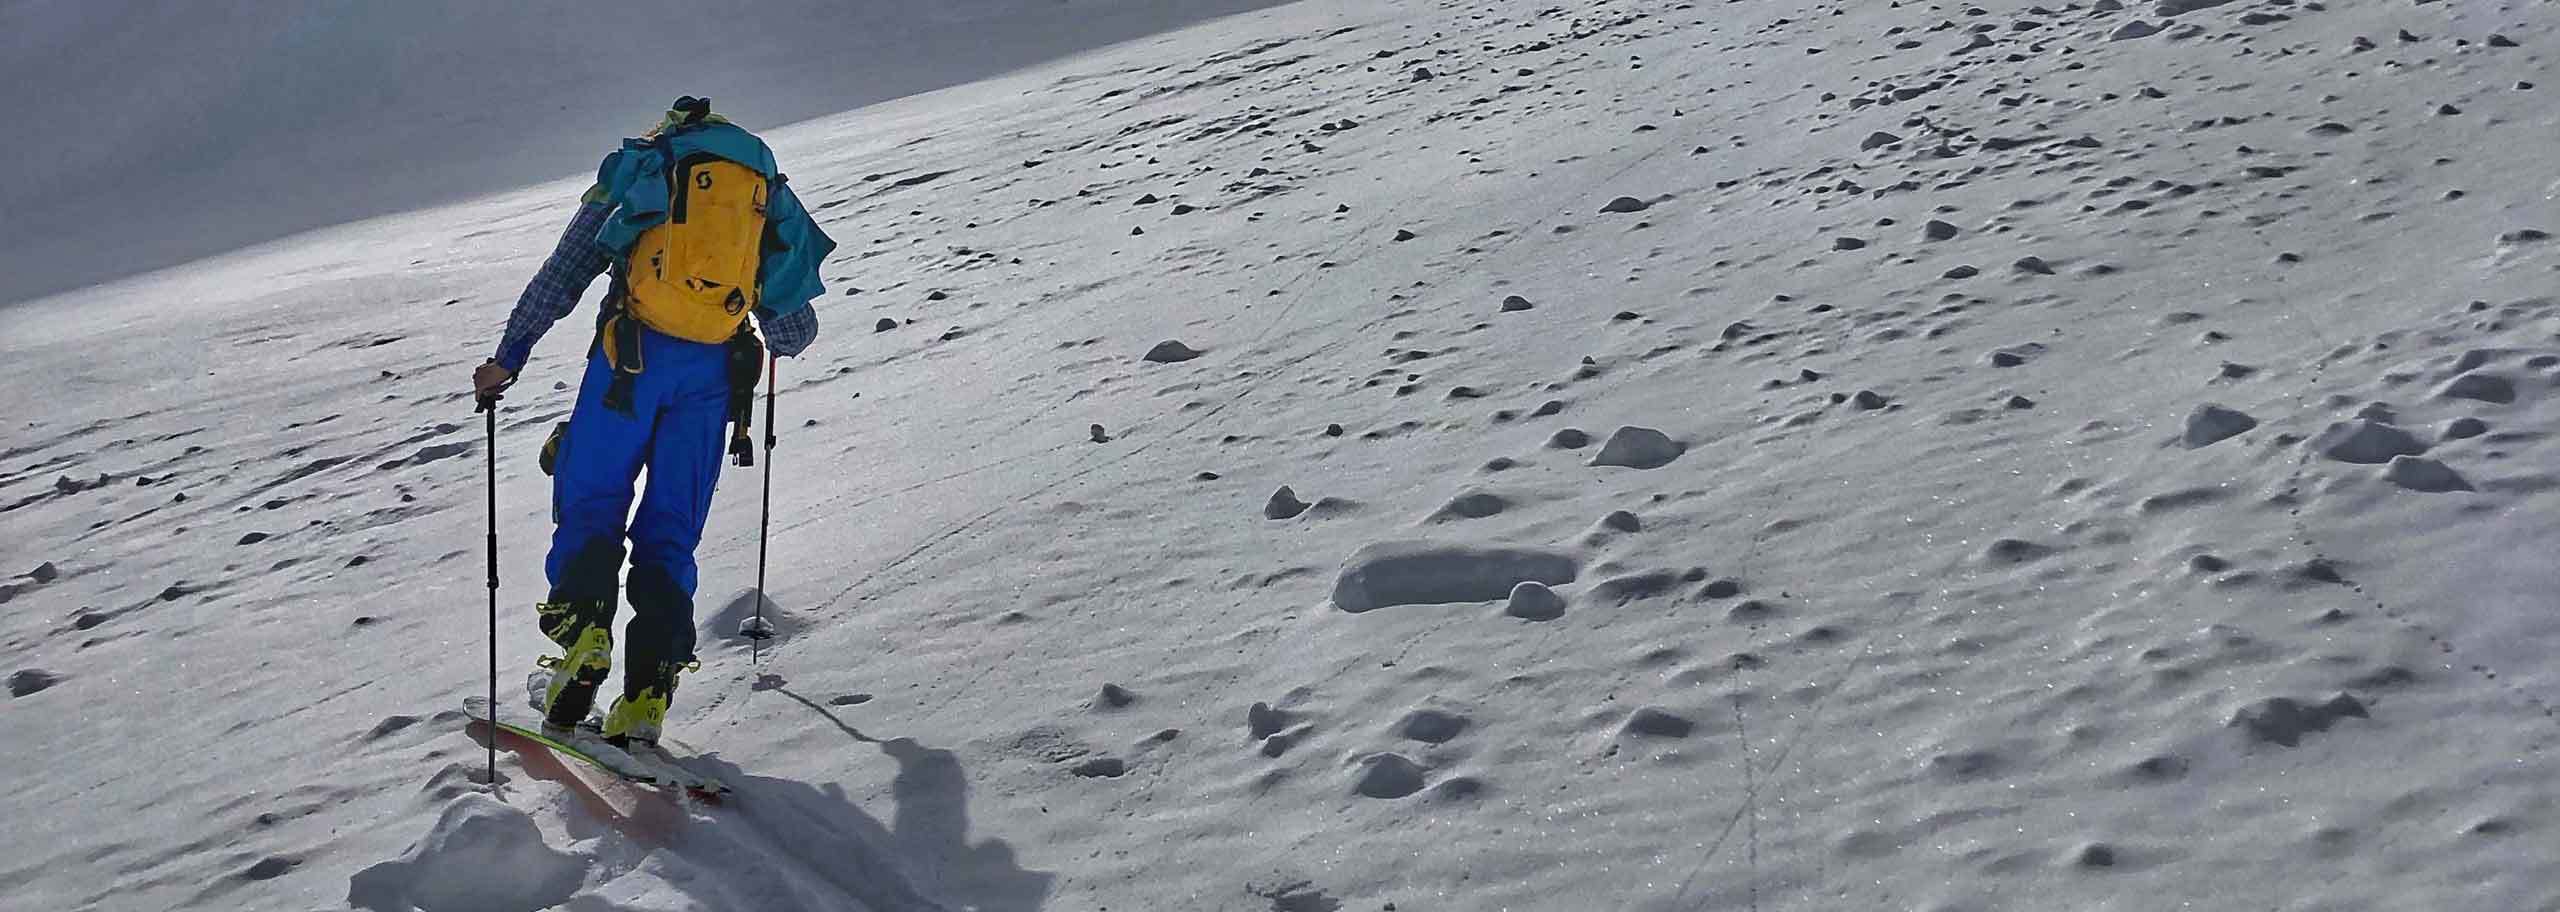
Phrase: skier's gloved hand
x=489 y=381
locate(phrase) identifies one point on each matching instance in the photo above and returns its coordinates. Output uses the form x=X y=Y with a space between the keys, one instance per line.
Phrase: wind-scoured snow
x=1630 y=455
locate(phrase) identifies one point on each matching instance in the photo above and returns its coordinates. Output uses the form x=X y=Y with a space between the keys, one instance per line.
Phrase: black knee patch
x=591 y=575
x=659 y=637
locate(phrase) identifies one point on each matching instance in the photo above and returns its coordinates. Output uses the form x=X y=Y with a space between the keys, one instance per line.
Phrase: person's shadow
x=923 y=860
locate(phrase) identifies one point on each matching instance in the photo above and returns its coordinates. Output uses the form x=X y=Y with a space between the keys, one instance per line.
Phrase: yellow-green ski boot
x=641 y=713
x=575 y=677
x=636 y=718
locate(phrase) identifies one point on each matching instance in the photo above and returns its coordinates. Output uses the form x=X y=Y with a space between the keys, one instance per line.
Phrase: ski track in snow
x=1642 y=455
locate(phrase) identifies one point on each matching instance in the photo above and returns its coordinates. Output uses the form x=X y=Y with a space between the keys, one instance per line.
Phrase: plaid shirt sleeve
x=790 y=334
x=573 y=265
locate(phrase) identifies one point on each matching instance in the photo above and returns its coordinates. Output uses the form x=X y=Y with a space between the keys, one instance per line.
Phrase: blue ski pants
x=676 y=429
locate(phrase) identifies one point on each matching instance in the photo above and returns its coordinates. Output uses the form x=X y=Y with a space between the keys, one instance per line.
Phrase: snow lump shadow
x=1384 y=574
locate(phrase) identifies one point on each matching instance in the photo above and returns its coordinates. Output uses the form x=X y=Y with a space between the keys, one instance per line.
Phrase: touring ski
x=648 y=765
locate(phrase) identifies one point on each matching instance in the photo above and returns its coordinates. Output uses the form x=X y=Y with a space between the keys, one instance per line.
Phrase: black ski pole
x=489 y=407
x=764 y=524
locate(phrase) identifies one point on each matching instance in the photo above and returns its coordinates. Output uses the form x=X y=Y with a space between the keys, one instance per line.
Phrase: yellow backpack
x=694 y=275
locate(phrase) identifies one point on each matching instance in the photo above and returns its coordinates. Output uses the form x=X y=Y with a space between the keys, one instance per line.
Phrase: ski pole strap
x=620 y=337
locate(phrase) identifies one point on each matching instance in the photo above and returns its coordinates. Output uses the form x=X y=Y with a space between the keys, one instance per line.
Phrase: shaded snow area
x=1627 y=455
x=174 y=131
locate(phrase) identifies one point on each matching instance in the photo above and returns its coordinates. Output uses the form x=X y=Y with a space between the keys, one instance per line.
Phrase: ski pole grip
x=488 y=401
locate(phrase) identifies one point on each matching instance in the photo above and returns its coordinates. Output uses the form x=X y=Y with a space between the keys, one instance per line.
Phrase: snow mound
x=1533 y=601
x=2210 y=424
x=1637 y=448
x=481 y=856
x=2366 y=442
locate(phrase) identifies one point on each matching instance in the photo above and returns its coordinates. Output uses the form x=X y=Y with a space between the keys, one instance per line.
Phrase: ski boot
x=640 y=714
x=570 y=694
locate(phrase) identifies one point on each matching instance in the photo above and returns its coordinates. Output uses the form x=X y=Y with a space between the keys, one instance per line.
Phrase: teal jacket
x=632 y=181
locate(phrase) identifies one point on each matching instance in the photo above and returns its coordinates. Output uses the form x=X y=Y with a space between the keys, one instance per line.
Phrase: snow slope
x=2103 y=462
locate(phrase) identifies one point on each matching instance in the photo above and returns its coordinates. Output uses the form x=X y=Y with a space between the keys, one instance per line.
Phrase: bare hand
x=490 y=380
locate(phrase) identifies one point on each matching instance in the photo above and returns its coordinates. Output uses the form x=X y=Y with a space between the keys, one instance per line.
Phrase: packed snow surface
x=1631 y=455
